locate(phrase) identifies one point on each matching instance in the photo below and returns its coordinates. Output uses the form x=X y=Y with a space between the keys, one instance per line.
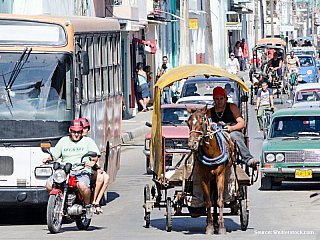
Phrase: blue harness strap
x=222 y=157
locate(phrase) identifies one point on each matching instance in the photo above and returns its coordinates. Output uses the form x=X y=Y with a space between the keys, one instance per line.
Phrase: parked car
x=291 y=151
x=175 y=132
x=309 y=92
x=309 y=72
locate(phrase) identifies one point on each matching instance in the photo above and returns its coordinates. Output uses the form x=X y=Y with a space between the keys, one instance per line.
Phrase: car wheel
x=266 y=183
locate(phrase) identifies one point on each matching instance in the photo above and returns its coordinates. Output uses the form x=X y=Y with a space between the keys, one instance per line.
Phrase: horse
x=213 y=154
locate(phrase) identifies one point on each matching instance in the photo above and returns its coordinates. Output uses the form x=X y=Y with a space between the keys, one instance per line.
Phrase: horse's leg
x=220 y=188
x=215 y=205
x=205 y=183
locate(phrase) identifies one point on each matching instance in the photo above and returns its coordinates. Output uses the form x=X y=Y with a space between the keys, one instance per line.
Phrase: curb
x=134 y=133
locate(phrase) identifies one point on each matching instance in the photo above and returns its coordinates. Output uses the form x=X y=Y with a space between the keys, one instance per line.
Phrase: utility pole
x=308 y=17
x=312 y=20
x=262 y=18
x=272 y=27
x=209 y=34
x=256 y=20
x=184 y=33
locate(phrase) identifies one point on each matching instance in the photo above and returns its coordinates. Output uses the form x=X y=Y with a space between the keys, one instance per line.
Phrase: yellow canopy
x=167 y=79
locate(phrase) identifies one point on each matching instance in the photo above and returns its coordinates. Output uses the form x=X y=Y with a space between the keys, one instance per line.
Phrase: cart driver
x=274 y=64
x=230 y=114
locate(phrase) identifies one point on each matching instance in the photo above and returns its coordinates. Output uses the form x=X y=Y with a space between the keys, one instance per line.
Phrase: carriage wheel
x=244 y=210
x=146 y=198
x=169 y=215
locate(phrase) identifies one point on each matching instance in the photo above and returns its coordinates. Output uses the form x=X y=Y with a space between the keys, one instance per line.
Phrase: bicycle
x=293 y=76
x=266 y=116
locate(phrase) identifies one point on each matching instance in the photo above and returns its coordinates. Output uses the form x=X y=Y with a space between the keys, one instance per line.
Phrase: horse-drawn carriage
x=263 y=73
x=185 y=178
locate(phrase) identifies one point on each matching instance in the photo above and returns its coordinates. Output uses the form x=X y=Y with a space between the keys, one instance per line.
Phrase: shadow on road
x=190 y=226
x=296 y=186
x=23 y=216
x=112 y=196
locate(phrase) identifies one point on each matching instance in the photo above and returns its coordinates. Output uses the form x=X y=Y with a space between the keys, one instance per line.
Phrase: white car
x=305 y=95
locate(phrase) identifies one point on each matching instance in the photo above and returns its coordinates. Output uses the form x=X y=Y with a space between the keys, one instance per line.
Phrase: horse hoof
x=209 y=231
x=222 y=231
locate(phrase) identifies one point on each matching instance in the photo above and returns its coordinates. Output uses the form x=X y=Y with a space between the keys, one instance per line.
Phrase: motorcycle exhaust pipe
x=75 y=209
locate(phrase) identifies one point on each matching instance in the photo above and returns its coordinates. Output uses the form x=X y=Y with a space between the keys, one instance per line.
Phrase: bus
x=52 y=70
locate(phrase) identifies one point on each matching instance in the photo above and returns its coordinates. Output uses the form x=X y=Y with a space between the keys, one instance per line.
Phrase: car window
x=178 y=116
x=308 y=95
x=295 y=126
x=205 y=89
x=306 y=61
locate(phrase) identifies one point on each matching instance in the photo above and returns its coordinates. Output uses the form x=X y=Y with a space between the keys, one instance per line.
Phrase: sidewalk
x=133 y=127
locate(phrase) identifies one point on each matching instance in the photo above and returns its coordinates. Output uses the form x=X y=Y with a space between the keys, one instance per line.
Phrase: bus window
x=91 y=89
x=97 y=65
x=84 y=78
x=104 y=76
x=110 y=66
x=115 y=65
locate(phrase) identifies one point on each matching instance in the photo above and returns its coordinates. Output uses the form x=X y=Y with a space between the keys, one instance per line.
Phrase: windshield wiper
x=15 y=72
x=309 y=133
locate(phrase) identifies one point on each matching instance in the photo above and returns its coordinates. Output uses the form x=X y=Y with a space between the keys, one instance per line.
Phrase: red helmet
x=76 y=125
x=85 y=122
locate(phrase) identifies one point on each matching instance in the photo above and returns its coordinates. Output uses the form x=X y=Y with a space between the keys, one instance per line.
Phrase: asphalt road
x=286 y=212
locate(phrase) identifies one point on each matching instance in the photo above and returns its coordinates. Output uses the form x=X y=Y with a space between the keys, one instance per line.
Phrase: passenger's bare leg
x=106 y=179
x=49 y=186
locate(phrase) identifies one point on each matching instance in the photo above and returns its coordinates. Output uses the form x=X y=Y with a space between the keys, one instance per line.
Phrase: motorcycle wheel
x=83 y=223
x=54 y=216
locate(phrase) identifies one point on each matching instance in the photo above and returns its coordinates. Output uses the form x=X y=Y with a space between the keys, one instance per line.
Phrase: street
x=286 y=212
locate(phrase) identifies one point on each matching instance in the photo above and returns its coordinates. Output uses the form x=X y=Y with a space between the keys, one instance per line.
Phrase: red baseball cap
x=76 y=125
x=85 y=122
x=219 y=91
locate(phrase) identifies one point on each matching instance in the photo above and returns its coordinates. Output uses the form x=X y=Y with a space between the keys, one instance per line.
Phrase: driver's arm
x=237 y=115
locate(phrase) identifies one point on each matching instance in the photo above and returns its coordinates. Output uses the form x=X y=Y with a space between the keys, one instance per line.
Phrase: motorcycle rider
x=100 y=177
x=70 y=149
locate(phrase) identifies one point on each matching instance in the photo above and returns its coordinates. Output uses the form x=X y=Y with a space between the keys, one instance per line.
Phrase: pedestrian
x=147 y=69
x=237 y=50
x=232 y=65
x=254 y=65
x=244 y=48
x=100 y=177
x=142 y=87
x=264 y=100
x=162 y=69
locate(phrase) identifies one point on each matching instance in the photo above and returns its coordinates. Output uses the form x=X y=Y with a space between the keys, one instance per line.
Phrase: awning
x=150 y=45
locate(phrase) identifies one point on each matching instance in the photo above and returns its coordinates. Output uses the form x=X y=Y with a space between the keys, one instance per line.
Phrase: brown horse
x=205 y=144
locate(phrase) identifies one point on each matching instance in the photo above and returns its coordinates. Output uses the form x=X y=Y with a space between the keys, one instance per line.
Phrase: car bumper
x=18 y=196
x=169 y=151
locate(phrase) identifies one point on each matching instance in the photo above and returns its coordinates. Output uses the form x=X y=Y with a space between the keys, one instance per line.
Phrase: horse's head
x=197 y=126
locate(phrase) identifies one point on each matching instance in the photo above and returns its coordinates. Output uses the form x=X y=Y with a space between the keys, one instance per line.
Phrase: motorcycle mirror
x=67 y=167
x=148 y=124
x=45 y=147
x=91 y=154
x=56 y=165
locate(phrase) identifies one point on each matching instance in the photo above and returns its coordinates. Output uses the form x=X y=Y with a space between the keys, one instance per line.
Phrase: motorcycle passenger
x=292 y=63
x=229 y=113
x=274 y=64
x=70 y=149
x=100 y=177
x=264 y=100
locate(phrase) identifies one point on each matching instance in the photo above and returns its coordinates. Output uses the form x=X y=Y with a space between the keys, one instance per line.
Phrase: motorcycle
x=65 y=200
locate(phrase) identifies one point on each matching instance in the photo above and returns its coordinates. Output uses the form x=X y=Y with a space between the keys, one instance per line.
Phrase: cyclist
x=264 y=100
x=292 y=63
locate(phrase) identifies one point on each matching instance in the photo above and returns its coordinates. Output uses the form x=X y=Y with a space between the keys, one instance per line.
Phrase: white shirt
x=232 y=65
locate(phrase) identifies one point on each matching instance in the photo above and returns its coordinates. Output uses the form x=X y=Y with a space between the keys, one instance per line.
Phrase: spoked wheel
x=146 y=198
x=54 y=214
x=83 y=223
x=169 y=215
x=244 y=210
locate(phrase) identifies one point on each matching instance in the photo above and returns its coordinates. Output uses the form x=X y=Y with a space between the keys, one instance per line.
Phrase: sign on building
x=193 y=23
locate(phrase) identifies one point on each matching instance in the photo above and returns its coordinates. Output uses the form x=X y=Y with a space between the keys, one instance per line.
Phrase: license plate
x=303 y=173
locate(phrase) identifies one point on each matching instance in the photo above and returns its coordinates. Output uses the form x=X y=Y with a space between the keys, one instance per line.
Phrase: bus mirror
x=84 y=63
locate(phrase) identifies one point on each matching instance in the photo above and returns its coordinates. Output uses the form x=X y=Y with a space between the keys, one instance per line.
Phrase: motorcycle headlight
x=59 y=176
x=270 y=157
x=147 y=144
x=43 y=171
x=309 y=72
x=279 y=157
